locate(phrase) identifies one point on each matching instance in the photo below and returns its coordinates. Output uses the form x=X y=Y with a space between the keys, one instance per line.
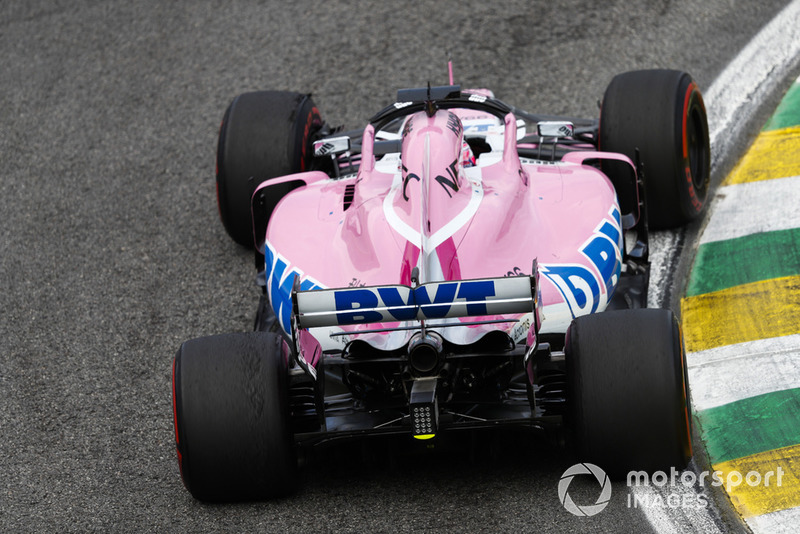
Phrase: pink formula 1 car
x=458 y=264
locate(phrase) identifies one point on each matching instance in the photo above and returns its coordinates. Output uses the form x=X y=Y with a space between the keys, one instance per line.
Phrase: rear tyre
x=263 y=134
x=628 y=406
x=660 y=112
x=232 y=418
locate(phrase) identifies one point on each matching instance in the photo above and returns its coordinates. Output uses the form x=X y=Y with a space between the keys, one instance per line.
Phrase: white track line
x=754 y=207
x=664 y=247
x=727 y=374
x=780 y=521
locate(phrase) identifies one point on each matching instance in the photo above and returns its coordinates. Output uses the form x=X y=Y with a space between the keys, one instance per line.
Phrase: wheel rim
x=696 y=148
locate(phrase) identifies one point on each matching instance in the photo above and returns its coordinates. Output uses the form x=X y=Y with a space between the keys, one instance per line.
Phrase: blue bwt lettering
x=397 y=303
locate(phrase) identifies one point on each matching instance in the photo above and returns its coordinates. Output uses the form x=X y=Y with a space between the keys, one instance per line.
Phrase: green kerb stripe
x=788 y=112
x=752 y=258
x=751 y=426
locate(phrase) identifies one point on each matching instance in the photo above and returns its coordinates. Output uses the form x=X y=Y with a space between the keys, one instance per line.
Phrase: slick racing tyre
x=661 y=113
x=263 y=134
x=628 y=405
x=231 y=415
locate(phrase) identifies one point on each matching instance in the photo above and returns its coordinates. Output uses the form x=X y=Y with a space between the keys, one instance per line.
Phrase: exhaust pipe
x=425 y=355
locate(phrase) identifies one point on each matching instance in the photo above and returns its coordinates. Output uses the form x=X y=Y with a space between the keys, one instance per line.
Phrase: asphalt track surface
x=111 y=251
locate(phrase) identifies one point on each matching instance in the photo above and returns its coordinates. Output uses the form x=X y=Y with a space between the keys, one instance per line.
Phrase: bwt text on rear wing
x=398 y=303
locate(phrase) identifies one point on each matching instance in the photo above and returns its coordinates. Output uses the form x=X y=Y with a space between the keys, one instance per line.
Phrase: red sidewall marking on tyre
x=313 y=117
x=174 y=404
x=175 y=419
x=687 y=98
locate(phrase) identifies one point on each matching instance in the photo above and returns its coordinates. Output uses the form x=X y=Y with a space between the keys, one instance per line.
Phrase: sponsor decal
x=280 y=279
x=407 y=177
x=398 y=303
x=454 y=124
x=450 y=183
x=407 y=128
x=587 y=290
x=516 y=271
x=325 y=149
x=479 y=128
x=520 y=330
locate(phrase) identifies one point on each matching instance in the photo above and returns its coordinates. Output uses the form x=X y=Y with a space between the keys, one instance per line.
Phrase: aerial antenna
x=450 y=68
x=430 y=105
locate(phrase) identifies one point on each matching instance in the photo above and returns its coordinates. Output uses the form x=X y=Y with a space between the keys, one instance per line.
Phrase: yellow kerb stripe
x=759 y=498
x=774 y=154
x=759 y=310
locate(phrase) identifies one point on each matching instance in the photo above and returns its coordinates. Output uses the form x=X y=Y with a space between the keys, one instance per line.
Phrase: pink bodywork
x=427 y=209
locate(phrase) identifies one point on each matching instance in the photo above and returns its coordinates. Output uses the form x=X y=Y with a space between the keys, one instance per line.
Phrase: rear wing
x=398 y=303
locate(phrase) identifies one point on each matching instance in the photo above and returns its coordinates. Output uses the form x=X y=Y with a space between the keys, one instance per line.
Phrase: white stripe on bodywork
x=412 y=235
x=754 y=207
x=427 y=248
x=457 y=222
x=399 y=225
x=555 y=318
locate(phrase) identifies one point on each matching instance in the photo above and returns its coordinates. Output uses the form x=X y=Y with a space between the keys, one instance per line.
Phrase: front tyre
x=628 y=404
x=661 y=113
x=231 y=417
